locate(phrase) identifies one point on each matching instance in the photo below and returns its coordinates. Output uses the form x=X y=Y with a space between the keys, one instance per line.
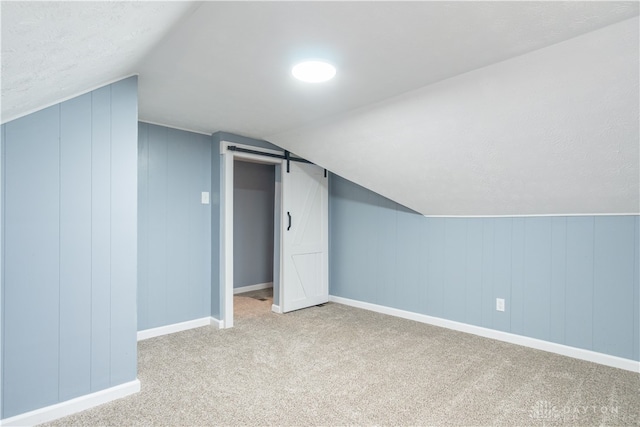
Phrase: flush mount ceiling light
x=313 y=71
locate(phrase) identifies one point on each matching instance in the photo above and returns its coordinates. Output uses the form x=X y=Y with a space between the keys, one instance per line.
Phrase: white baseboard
x=219 y=324
x=564 y=350
x=253 y=288
x=276 y=309
x=177 y=327
x=70 y=407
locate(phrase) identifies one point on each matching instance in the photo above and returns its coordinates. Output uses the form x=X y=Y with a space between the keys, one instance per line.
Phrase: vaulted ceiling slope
x=417 y=111
x=52 y=51
x=551 y=132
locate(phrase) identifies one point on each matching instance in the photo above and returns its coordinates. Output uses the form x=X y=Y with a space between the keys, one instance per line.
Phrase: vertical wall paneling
x=435 y=260
x=177 y=228
x=352 y=275
x=358 y=255
x=174 y=280
x=502 y=251
x=537 y=277
x=337 y=270
x=143 y=223
x=473 y=272
x=579 y=282
x=368 y=253
x=569 y=280
x=454 y=277
x=516 y=306
x=558 y=278
x=411 y=246
x=424 y=261
x=385 y=245
x=156 y=209
x=200 y=230
x=488 y=298
x=100 y=238
x=69 y=232
x=613 y=286
x=636 y=290
x=75 y=247
x=124 y=195
x=31 y=270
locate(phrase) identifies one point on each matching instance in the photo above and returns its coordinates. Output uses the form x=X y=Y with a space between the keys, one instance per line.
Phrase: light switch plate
x=205 y=198
x=500 y=304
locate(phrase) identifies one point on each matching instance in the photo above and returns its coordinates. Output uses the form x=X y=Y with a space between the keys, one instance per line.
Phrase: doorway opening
x=227 y=264
x=253 y=237
x=301 y=238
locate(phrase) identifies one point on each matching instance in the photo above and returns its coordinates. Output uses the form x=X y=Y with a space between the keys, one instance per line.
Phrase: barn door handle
x=289 y=227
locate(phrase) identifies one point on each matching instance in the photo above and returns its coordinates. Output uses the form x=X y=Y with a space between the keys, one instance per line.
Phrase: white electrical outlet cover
x=205 y=197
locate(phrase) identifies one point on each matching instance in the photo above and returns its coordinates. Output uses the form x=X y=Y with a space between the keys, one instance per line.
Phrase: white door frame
x=226 y=220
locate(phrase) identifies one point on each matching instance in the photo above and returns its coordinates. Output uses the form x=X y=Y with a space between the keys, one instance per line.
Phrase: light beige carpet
x=337 y=365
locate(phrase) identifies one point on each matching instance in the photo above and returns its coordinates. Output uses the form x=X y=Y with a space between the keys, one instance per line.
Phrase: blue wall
x=174 y=227
x=253 y=205
x=568 y=280
x=69 y=245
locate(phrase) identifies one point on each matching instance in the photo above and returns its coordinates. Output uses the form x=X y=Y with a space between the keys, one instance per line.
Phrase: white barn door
x=305 y=237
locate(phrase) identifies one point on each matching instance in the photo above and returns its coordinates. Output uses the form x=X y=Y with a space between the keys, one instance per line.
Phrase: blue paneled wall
x=69 y=243
x=174 y=270
x=569 y=280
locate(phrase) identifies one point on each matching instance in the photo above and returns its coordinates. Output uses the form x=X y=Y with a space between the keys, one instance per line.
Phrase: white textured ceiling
x=55 y=50
x=225 y=66
x=552 y=132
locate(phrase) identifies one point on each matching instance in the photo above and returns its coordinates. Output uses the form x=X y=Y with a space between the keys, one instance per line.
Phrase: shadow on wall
x=341 y=188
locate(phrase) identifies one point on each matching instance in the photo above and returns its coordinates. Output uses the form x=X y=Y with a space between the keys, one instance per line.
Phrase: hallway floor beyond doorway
x=252 y=304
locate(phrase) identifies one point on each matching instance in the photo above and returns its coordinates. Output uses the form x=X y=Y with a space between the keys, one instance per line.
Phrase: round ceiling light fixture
x=313 y=71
